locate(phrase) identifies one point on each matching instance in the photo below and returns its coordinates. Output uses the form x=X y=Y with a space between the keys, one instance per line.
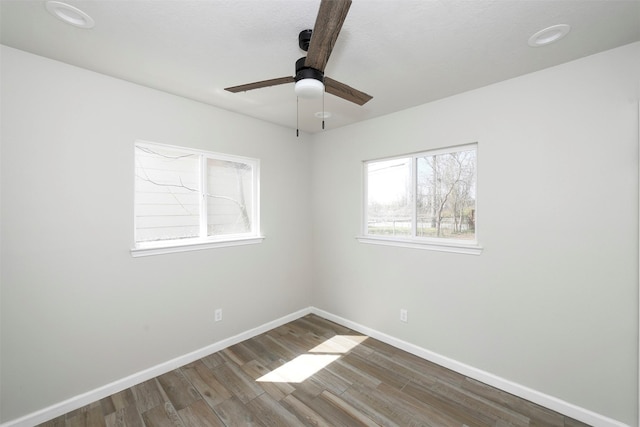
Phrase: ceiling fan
x=318 y=43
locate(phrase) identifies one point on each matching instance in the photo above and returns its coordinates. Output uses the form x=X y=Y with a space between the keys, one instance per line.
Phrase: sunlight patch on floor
x=319 y=357
x=339 y=344
x=299 y=369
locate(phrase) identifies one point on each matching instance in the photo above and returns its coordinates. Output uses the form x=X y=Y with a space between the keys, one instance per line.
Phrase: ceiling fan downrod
x=304 y=38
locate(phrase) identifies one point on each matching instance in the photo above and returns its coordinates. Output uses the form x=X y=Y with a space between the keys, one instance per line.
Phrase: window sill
x=193 y=246
x=431 y=244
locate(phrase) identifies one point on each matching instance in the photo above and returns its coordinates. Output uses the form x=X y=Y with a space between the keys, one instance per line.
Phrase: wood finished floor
x=368 y=384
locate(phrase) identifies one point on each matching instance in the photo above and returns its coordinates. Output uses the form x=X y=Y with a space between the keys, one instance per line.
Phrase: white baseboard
x=550 y=402
x=542 y=399
x=79 y=401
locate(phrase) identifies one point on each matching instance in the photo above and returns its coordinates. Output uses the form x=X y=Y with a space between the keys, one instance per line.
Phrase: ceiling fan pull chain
x=323 y=92
x=297 y=117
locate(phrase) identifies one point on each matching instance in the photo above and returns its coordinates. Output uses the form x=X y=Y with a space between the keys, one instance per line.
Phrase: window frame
x=470 y=247
x=202 y=241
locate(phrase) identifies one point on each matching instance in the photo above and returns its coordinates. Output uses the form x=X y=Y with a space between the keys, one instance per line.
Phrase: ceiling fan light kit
x=309 y=81
x=309 y=88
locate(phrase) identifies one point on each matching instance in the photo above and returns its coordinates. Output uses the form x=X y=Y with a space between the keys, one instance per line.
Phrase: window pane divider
x=203 y=196
x=414 y=196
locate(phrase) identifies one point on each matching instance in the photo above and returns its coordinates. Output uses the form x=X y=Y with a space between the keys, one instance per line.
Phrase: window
x=188 y=199
x=425 y=200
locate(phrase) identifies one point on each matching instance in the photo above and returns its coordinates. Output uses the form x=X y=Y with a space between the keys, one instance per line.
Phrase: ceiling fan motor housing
x=303 y=72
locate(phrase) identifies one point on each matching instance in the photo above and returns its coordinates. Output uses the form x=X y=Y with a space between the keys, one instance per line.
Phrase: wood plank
x=278 y=390
x=232 y=412
x=538 y=415
x=256 y=369
x=377 y=405
x=305 y=414
x=178 y=390
x=124 y=417
x=307 y=391
x=213 y=360
x=147 y=395
x=339 y=408
x=329 y=325
x=275 y=348
x=331 y=382
x=239 y=354
x=199 y=414
x=452 y=408
x=205 y=382
x=401 y=372
x=123 y=399
x=271 y=413
x=292 y=328
x=237 y=382
x=351 y=374
x=420 y=412
x=427 y=369
x=478 y=406
x=298 y=343
x=324 y=327
x=266 y=357
x=381 y=347
x=107 y=405
x=375 y=371
x=90 y=415
x=162 y=416
x=336 y=411
x=310 y=340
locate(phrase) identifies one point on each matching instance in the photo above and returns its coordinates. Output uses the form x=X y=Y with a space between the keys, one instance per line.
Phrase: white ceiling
x=402 y=52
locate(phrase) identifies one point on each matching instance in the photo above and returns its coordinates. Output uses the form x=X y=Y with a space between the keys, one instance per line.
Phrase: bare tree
x=446 y=189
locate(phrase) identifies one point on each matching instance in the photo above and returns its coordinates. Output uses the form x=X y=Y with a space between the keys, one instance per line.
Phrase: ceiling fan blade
x=343 y=91
x=258 y=85
x=330 y=18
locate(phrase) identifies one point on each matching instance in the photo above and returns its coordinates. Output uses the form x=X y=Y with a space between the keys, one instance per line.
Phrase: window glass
x=446 y=195
x=167 y=194
x=228 y=197
x=389 y=197
x=185 y=196
x=429 y=195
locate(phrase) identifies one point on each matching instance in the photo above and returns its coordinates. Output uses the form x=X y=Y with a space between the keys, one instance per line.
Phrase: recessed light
x=549 y=35
x=323 y=114
x=70 y=14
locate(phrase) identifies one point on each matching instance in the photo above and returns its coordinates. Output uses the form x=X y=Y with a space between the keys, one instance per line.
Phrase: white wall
x=552 y=302
x=78 y=311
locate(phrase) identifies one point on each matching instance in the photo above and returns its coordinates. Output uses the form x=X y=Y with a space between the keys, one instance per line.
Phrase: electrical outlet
x=404 y=315
x=218 y=315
